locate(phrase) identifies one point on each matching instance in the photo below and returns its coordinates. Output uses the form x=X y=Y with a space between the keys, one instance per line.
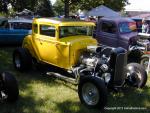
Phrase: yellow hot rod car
x=68 y=46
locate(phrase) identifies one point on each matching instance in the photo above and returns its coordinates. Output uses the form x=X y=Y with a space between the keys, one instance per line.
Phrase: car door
x=107 y=33
x=48 y=48
x=46 y=43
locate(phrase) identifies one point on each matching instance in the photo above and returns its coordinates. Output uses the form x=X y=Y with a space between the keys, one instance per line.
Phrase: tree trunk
x=66 y=8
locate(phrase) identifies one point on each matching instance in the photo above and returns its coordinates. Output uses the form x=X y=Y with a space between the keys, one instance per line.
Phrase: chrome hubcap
x=136 y=78
x=90 y=94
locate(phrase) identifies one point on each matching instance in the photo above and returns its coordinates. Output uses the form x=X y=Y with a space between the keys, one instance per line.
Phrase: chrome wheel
x=136 y=75
x=136 y=78
x=90 y=94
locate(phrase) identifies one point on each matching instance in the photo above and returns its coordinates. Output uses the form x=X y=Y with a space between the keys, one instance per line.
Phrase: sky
x=52 y=1
x=141 y=5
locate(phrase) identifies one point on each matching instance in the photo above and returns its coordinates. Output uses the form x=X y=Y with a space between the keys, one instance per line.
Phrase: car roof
x=20 y=20
x=118 y=19
x=61 y=21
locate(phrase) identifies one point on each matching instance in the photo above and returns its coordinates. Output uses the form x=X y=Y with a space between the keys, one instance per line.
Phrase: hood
x=77 y=45
x=79 y=40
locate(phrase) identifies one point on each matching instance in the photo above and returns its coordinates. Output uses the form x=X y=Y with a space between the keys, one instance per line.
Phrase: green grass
x=44 y=94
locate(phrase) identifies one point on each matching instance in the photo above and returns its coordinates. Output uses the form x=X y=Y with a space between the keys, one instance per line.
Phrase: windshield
x=127 y=27
x=66 y=31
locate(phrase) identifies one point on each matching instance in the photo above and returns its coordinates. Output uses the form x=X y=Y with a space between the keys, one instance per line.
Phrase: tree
x=18 y=5
x=116 y=5
x=68 y=3
x=3 y=6
x=58 y=7
x=44 y=8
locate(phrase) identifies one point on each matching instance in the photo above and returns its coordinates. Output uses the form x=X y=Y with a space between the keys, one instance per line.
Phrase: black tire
x=136 y=75
x=10 y=86
x=100 y=92
x=144 y=62
x=22 y=59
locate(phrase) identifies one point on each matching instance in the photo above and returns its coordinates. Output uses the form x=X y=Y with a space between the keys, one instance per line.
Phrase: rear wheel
x=136 y=75
x=92 y=92
x=10 y=89
x=22 y=59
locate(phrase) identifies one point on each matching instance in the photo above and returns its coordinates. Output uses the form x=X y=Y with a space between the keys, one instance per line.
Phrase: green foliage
x=89 y=4
x=74 y=5
x=59 y=7
x=44 y=8
x=116 y=5
x=19 y=5
x=3 y=6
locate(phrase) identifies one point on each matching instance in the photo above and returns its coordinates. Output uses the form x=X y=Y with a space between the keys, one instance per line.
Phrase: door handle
x=57 y=44
x=40 y=41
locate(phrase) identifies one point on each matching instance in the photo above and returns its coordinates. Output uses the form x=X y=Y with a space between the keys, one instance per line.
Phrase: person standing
x=145 y=26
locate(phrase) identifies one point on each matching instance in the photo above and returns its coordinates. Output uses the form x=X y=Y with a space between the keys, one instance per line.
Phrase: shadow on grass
x=130 y=100
x=28 y=103
x=24 y=105
x=75 y=107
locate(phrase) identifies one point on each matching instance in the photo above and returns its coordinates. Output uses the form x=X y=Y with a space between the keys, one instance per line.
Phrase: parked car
x=119 y=32
x=116 y=32
x=71 y=53
x=13 y=31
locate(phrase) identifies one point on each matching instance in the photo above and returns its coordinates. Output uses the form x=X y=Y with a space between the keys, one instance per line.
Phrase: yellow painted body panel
x=64 y=52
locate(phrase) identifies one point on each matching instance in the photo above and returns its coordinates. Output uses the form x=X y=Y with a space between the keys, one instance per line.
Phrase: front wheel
x=136 y=75
x=92 y=92
x=9 y=87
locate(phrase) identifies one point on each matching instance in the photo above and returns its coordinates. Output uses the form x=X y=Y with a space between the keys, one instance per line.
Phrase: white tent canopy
x=103 y=11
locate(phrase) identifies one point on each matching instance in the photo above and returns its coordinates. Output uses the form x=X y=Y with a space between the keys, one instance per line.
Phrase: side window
x=35 y=28
x=47 y=30
x=109 y=27
x=4 y=24
x=21 y=25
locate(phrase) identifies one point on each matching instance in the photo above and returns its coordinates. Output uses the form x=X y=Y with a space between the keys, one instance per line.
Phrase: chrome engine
x=103 y=62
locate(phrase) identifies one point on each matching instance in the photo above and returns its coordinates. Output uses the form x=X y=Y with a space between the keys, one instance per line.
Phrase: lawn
x=43 y=94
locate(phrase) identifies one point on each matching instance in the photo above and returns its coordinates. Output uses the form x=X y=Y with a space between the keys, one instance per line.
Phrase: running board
x=62 y=77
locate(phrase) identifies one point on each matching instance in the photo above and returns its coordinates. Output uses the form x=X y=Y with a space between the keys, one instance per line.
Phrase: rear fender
x=29 y=44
